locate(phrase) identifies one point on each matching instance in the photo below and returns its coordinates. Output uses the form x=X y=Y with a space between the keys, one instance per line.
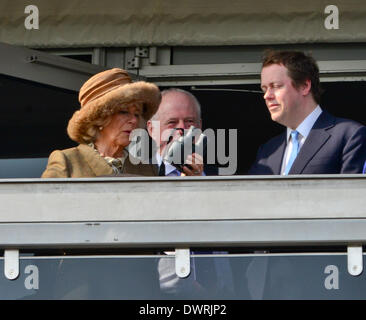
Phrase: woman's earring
x=100 y=128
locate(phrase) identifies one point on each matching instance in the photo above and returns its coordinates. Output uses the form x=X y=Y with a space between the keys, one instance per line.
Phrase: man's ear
x=306 y=87
x=149 y=127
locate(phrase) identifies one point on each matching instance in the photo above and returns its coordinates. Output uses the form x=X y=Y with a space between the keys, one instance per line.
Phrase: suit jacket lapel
x=155 y=167
x=97 y=164
x=276 y=159
x=136 y=168
x=318 y=136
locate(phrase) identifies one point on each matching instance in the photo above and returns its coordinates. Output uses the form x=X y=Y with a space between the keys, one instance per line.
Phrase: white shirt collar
x=308 y=123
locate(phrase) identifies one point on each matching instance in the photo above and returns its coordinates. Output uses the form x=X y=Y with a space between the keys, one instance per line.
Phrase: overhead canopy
x=107 y=23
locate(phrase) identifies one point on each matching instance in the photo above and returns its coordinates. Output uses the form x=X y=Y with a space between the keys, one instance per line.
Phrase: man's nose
x=268 y=94
x=181 y=125
x=179 y=131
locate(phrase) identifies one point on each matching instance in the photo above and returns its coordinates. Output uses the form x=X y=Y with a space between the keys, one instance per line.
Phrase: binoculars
x=193 y=141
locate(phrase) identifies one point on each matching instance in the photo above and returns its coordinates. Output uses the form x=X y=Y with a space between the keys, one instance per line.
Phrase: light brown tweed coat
x=82 y=162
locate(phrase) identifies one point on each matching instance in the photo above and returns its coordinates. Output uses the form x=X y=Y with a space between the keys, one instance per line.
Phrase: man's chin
x=274 y=116
x=277 y=118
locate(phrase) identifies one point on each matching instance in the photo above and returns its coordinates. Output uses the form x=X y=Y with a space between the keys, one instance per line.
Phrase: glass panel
x=312 y=276
x=22 y=168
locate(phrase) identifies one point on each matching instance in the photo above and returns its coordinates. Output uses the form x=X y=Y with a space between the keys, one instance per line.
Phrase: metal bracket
x=134 y=63
x=11 y=264
x=182 y=263
x=354 y=260
x=142 y=52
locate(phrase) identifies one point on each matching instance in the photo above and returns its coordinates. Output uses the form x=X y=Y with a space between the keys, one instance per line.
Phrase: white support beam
x=11 y=264
x=354 y=260
x=182 y=263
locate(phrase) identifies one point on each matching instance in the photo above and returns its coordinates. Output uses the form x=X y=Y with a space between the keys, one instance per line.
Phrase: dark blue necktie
x=162 y=169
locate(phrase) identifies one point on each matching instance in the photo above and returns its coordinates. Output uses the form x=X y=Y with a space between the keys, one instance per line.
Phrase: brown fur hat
x=107 y=93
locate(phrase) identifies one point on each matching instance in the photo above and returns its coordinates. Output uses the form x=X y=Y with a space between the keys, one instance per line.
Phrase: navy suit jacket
x=334 y=145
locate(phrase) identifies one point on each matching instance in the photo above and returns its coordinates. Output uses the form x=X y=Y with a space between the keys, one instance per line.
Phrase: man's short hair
x=301 y=67
x=194 y=99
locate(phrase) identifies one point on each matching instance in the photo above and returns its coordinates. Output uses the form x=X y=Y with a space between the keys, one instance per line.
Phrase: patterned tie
x=294 y=151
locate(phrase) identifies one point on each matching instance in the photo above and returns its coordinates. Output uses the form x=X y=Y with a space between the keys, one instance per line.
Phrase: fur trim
x=112 y=102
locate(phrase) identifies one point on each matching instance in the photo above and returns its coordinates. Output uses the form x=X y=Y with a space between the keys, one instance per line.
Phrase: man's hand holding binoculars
x=184 y=150
x=193 y=165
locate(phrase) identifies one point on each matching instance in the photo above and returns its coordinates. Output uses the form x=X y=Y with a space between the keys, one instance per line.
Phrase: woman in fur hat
x=111 y=108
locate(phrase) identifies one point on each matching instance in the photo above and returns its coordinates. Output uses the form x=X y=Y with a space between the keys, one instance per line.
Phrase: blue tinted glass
x=313 y=276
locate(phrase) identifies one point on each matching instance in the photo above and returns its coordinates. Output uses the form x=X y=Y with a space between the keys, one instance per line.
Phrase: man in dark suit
x=315 y=142
x=178 y=111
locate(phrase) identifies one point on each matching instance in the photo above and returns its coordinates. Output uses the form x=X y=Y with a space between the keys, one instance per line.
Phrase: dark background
x=34 y=117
